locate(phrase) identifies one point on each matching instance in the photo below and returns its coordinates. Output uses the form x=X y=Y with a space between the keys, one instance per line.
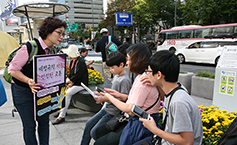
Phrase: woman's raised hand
x=145 y=80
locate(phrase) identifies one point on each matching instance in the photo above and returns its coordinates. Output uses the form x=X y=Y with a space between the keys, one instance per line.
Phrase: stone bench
x=83 y=100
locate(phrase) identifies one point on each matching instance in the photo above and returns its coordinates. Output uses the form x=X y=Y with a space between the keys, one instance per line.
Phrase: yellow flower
x=95 y=77
x=215 y=119
x=218 y=124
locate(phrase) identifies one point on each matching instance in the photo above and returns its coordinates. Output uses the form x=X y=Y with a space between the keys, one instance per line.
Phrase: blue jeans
x=99 y=119
x=23 y=101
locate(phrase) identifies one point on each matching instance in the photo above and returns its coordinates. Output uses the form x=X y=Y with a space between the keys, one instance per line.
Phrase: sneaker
x=57 y=114
x=58 y=121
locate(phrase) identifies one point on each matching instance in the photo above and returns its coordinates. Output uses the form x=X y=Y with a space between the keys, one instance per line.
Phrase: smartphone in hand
x=139 y=112
x=98 y=89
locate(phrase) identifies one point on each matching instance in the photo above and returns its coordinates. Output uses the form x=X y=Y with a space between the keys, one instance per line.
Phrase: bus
x=179 y=37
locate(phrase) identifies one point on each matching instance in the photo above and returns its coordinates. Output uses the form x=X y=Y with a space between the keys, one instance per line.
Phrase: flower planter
x=186 y=79
x=202 y=87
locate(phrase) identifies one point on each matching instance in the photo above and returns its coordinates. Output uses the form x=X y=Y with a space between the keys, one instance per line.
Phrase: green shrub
x=206 y=74
x=100 y=62
x=182 y=72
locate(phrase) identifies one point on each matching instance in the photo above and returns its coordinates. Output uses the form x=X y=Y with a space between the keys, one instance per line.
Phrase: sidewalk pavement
x=67 y=133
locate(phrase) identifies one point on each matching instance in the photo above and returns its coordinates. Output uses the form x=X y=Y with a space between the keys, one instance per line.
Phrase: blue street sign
x=123 y=19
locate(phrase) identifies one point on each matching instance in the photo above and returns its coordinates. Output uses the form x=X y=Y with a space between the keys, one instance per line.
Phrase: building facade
x=88 y=12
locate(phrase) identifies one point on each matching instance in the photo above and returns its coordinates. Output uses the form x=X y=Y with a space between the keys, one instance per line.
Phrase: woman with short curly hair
x=51 y=33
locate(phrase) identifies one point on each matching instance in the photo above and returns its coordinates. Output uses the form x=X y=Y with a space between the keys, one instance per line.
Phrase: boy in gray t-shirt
x=121 y=83
x=183 y=123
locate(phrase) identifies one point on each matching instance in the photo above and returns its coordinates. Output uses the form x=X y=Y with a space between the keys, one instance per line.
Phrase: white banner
x=7 y=11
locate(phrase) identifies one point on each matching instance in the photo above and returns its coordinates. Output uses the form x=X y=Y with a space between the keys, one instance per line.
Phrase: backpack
x=111 y=46
x=11 y=55
x=230 y=136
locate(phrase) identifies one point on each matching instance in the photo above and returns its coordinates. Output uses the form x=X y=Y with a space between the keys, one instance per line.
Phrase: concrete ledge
x=83 y=100
x=186 y=80
x=202 y=87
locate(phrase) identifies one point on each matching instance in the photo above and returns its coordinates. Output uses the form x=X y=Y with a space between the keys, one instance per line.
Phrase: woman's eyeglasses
x=147 y=71
x=60 y=33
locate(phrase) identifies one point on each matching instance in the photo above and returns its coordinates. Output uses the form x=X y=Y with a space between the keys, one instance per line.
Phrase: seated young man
x=121 y=83
x=184 y=124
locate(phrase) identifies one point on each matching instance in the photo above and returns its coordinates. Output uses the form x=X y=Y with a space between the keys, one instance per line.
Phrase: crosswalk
x=92 y=55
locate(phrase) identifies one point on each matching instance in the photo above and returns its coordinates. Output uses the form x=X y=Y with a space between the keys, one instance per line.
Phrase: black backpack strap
x=166 y=115
x=153 y=104
x=146 y=108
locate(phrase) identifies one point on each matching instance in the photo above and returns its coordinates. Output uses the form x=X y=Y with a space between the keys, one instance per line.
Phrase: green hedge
x=206 y=74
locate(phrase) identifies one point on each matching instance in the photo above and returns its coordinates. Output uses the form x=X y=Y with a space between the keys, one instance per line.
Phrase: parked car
x=80 y=46
x=203 y=51
x=88 y=47
x=64 y=45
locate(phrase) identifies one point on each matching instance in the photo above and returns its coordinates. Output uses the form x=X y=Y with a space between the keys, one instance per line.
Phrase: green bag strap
x=55 y=50
x=34 y=50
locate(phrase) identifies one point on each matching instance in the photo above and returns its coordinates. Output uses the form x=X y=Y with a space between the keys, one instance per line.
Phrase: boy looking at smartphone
x=121 y=83
x=183 y=123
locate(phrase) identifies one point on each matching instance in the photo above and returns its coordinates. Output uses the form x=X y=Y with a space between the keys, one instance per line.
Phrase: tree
x=141 y=19
x=162 y=12
x=117 y=6
x=78 y=34
x=146 y=14
x=209 y=12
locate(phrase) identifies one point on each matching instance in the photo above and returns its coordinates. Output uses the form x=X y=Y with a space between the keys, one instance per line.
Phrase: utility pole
x=92 y=15
x=175 y=12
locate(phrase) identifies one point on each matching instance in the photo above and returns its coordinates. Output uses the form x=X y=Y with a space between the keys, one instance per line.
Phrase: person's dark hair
x=139 y=55
x=167 y=63
x=115 y=58
x=83 y=50
x=122 y=48
x=49 y=25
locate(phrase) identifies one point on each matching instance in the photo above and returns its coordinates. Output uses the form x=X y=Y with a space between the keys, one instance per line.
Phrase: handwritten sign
x=49 y=72
x=228 y=58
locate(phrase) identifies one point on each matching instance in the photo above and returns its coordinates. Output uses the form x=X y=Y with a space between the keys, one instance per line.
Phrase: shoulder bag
x=118 y=120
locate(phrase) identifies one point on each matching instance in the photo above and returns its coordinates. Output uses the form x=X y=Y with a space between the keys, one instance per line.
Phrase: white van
x=203 y=51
